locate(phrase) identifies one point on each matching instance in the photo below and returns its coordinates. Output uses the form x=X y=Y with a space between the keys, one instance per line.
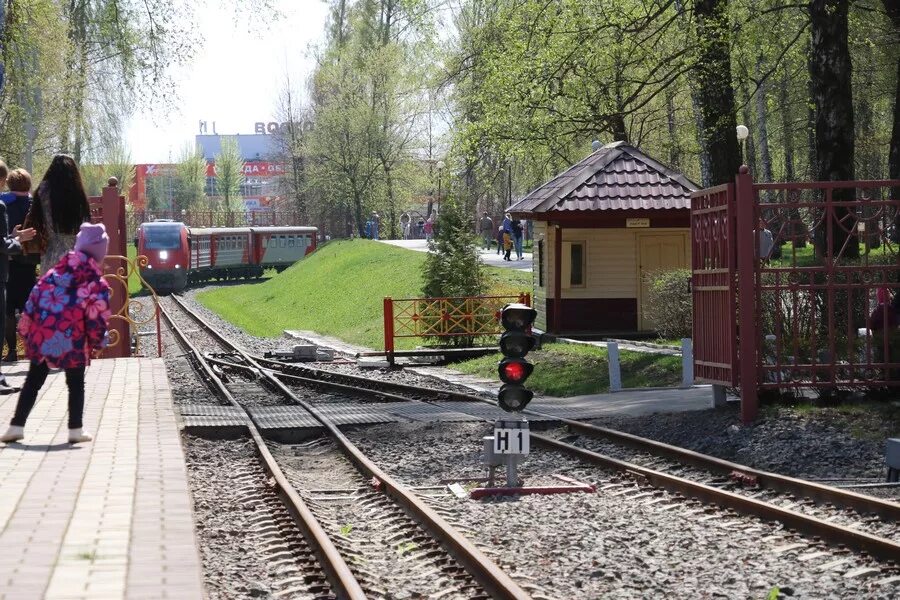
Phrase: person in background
x=375 y=219
x=59 y=208
x=500 y=239
x=22 y=267
x=9 y=245
x=766 y=241
x=66 y=318
x=428 y=229
x=486 y=228
x=517 y=231
x=882 y=323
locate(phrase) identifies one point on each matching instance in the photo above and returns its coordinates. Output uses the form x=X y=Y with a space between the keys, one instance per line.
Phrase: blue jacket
x=507 y=225
x=17 y=206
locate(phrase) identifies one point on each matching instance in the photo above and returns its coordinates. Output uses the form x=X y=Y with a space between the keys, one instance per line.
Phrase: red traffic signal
x=514 y=370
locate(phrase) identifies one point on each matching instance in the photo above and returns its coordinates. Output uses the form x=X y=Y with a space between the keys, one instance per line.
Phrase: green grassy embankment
x=573 y=369
x=338 y=291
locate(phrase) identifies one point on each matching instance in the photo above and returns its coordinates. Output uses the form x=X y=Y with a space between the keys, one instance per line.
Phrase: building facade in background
x=155 y=184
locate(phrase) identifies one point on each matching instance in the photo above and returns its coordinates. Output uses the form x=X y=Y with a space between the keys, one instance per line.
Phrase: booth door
x=658 y=252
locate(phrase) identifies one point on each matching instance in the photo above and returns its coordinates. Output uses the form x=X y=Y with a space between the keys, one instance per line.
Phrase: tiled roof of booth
x=618 y=176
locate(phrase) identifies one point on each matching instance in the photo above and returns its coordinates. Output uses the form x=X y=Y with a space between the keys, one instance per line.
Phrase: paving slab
x=110 y=518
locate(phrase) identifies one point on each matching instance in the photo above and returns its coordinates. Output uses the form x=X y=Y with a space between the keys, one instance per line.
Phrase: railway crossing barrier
x=460 y=320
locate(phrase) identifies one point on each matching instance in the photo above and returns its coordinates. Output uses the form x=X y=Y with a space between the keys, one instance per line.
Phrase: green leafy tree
x=230 y=174
x=190 y=178
x=113 y=161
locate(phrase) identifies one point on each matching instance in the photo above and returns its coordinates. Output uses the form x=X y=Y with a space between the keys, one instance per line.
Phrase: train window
x=291 y=242
x=281 y=241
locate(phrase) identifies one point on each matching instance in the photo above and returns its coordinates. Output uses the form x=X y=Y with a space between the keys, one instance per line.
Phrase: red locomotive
x=178 y=255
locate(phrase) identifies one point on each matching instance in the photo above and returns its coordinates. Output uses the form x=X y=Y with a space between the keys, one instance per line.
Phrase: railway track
x=865 y=523
x=373 y=535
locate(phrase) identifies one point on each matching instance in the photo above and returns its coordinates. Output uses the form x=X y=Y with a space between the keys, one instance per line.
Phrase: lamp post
x=440 y=166
x=742 y=134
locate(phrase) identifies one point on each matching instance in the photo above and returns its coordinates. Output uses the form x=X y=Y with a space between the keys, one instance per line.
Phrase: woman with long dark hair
x=60 y=207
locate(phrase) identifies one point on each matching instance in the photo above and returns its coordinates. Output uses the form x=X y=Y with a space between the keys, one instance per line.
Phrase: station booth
x=600 y=227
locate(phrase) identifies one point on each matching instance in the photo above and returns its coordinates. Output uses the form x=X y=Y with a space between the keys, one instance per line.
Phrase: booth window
x=540 y=262
x=573 y=264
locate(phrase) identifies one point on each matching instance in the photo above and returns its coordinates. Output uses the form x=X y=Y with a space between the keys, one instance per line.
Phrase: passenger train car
x=178 y=255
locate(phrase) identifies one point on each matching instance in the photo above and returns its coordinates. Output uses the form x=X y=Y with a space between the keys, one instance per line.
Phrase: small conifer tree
x=453 y=267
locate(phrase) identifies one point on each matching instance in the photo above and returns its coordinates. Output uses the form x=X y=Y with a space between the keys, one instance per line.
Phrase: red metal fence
x=217 y=218
x=813 y=305
x=444 y=318
x=109 y=209
x=713 y=275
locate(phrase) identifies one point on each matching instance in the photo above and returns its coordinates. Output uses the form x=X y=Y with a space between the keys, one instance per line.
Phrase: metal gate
x=796 y=286
x=712 y=280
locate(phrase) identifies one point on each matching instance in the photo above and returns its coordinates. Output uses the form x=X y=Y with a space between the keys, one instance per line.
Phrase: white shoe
x=13 y=434
x=78 y=435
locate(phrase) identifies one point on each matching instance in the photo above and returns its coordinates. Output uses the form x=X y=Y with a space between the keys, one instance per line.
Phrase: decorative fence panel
x=814 y=301
x=444 y=318
x=712 y=281
x=816 y=270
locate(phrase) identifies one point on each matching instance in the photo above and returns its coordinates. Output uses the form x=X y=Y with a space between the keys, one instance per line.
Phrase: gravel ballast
x=626 y=540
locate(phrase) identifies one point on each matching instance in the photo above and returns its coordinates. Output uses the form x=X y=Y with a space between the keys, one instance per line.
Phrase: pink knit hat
x=92 y=240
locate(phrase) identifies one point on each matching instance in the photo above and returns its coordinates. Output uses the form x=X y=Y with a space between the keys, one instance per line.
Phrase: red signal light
x=514 y=371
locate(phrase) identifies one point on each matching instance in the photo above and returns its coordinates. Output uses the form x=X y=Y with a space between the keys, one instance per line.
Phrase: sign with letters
x=630 y=223
x=511 y=437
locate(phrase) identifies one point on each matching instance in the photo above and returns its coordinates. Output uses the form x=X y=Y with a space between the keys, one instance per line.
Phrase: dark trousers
x=37 y=375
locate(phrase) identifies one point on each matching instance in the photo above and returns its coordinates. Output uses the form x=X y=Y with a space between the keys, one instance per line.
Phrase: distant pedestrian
x=65 y=320
x=517 y=231
x=375 y=219
x=22 y=267
x=507 y=245
x=486 y=227
x=428 y=229
x=420 y=229
x=500 y=239
x=766 y=241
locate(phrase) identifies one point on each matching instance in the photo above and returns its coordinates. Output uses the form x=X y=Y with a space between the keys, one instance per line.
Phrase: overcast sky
x=234 y=79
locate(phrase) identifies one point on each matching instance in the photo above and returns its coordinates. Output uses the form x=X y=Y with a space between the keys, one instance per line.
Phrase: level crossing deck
x=110 y=518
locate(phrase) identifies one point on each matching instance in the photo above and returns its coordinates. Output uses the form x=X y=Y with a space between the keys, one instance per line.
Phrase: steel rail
x=495 y=581
x=339 y=574
x=837 y=534
x=876 y=546
x=820 y=493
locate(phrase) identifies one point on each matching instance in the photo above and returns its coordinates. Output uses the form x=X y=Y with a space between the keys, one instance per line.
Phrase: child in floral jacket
x=65 y=319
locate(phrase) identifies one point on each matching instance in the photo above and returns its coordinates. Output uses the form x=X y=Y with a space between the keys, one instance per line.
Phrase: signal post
x=512 y=436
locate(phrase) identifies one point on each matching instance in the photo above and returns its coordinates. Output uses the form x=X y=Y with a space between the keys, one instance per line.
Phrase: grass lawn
x=338 y=291
x=573 y=369
x=806 y=256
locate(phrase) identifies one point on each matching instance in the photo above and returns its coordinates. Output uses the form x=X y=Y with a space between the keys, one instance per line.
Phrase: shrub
x=668 y=305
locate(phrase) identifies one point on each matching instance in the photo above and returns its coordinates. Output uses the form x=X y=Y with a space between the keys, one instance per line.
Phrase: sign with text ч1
x=511 y=441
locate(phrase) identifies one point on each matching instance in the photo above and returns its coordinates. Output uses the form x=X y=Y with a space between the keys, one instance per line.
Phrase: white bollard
x=687 y=362
x=615 y=371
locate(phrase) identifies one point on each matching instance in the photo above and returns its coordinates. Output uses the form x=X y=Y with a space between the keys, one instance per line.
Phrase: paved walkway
x=107 y=519
x=488 y=257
